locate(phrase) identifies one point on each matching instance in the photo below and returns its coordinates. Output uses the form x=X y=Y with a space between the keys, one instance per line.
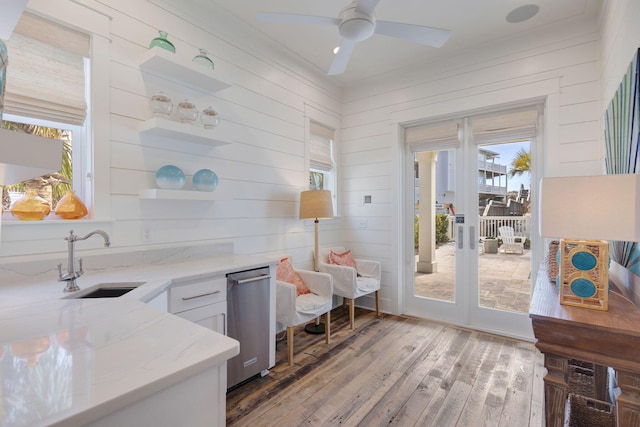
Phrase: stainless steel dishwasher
x=248 y=322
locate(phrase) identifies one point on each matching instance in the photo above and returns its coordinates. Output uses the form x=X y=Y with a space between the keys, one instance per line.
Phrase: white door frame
x=544 y=92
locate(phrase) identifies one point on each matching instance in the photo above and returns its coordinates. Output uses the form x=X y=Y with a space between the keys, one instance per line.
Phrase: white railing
x=492 y=189
x=488 y=225
x=493 y=167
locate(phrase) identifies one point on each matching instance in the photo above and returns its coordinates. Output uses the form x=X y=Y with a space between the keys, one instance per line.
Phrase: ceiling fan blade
x=429 y=36
x=366 y=6
x=339 y=64
x=293 y=18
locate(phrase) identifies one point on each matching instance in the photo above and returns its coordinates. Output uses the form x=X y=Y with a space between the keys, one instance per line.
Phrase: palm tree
x=521 y=163
x=50 y=187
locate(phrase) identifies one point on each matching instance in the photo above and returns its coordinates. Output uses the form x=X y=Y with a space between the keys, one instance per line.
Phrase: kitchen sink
x=107 y=290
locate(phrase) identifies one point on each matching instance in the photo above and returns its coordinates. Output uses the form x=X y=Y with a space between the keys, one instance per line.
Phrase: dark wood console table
x=609 y=338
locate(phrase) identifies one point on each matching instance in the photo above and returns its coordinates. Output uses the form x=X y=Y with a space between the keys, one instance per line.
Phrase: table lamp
x=584 y=211
x=316 y=205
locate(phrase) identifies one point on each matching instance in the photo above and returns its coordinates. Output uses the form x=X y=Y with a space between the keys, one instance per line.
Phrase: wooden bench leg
x=377 y=303
x=327 y=327
x=290 y=344
x=352 y=312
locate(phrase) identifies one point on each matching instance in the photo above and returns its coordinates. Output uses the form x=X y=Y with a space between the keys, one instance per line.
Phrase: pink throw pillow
x=286 y=273
x=344 y=258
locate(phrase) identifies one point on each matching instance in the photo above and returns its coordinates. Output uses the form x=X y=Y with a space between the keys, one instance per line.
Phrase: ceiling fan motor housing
x=356 y=26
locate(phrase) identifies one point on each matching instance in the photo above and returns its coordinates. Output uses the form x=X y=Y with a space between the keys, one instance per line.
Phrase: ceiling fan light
x=354 y=25
x=357 y=29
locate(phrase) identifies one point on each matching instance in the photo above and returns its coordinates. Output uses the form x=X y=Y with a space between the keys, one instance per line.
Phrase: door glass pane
x=504 y=184
x=434 y=212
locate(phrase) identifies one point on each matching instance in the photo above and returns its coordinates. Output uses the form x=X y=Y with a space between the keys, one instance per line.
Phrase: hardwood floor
x=395 y=371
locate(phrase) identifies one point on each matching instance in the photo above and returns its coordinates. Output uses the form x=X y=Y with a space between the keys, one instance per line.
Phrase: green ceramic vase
x=161 y=41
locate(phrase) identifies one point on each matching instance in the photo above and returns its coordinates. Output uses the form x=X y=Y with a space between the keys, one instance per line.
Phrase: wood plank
x=445 y=397
x=394 y=370
x=517 y=405
x=396 y=398
x=432 y=390
x=497 y=387
x=315 y=371
x=356 y=400
x=481 y=377
x=355 y=383
x=537 y=395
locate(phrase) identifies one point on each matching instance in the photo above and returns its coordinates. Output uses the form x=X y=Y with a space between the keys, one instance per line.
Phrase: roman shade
x=46 y=71
x=432 y=137
x=321 y=150
x=505 y=127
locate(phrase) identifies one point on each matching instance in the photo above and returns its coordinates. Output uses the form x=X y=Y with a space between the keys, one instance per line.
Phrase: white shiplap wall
x=561 y=66
x=265 y=111
x=264 y=168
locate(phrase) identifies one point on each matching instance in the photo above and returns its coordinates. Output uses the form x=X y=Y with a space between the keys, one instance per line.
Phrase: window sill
x=9 y=221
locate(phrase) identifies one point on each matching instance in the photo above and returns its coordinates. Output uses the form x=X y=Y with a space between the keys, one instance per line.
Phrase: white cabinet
x=213 y=316
x=202 y=301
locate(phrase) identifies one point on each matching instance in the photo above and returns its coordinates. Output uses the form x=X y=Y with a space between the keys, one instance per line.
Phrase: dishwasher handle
x=251 y=279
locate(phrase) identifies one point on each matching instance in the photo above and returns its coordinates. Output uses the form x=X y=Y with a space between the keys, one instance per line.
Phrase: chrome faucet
x=72 y=274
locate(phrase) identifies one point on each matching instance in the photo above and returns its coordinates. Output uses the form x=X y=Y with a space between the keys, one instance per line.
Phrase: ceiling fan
x=356 y=23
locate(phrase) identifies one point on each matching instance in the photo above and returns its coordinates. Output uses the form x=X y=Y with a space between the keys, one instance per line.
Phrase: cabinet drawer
x=212 y=316
x=192 y=295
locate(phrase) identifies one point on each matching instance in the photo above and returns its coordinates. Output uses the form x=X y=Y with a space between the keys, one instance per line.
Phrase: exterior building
x=492 y=180
x=492 y=177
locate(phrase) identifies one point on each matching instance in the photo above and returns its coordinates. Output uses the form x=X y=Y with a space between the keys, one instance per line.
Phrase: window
x=51 y=186
x=47 y=86
x=321 y=158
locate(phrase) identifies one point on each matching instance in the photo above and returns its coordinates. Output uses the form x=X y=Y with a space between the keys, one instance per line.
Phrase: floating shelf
x=170 y=66
x=160 y=194
x=159 y=127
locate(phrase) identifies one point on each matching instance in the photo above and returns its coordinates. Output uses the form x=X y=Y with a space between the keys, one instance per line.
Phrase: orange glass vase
x=71 y=207
x=30 y=207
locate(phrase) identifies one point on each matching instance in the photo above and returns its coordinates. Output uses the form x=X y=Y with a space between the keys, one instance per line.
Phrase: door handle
x=460 y=237
x=200 y=296
x=253 y=279
x=472 y=237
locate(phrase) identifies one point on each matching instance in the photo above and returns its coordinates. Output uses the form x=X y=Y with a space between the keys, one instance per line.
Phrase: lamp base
x=584 y=275
x=314 y=328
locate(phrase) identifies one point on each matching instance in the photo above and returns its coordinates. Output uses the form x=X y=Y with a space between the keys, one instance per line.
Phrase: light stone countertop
x=96 y=356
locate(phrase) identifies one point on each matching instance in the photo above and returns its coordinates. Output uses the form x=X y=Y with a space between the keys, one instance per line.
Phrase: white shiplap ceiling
x=473 y=23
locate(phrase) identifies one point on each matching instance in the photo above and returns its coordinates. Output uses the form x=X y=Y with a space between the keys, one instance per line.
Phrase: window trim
x=97 y=25
x=329 y=121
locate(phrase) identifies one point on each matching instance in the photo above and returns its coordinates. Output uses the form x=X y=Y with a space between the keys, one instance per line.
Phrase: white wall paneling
x=266 y=110
x=262 y=116
x=513 y=71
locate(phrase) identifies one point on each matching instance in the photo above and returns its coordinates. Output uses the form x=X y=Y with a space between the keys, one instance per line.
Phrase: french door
x=459 y=215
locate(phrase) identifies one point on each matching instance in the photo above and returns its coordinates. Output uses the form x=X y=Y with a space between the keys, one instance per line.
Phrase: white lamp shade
x=316 y=204
x=605 y=207
x=24 y=156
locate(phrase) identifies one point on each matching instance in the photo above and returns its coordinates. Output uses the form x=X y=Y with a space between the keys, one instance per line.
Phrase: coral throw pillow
x=344 y=258
x=286 y=273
